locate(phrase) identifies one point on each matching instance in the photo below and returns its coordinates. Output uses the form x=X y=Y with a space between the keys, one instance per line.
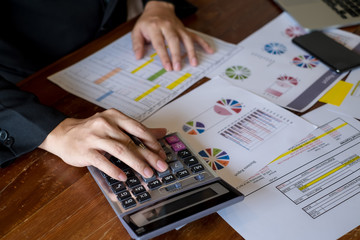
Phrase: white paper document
x=310 y=191
x=233 y=130
x=113 y=78
x=269 y=64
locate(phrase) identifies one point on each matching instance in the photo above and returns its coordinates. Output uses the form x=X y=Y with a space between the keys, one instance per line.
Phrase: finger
x=138 y=43
x=144 y=134
x=203 y=44
x=128 y=152
x=190 y=49
x=158 y=132
x=103 y=164
x=174 y=46
x=158 y=43
x=159 y=164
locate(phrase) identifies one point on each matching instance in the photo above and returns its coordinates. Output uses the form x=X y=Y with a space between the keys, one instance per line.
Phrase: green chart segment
x=238 y=72
x=157 y=74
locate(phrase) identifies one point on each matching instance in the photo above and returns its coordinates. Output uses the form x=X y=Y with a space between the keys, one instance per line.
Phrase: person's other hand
x=83 y=142
x=157 y=24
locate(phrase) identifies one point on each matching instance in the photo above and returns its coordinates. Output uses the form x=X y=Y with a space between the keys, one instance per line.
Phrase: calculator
x=188 y=190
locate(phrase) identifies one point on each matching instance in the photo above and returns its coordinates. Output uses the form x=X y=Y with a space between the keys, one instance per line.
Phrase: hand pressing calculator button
x=188 y=189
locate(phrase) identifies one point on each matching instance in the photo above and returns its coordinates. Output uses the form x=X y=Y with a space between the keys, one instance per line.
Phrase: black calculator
x=188 y=190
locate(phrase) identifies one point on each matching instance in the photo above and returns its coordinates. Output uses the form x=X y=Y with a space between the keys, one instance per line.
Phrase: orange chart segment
x=107 y=76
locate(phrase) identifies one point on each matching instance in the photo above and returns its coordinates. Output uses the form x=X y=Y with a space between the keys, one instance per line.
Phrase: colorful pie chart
x=194 y=128
x=227 y=107
x=215 y=157
x=306 y=61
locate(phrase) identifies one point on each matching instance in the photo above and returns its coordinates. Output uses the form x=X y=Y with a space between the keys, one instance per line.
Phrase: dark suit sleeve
x=24 y=122
x=182 y=7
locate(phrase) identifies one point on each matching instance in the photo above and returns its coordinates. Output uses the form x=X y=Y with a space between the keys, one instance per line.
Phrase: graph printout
x=311 y=191
x=113 y=78
x=270 y=65
x=233 y=130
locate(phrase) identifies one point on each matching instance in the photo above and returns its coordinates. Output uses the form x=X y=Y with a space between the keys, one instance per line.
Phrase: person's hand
x=158 y=24
x=83 y=142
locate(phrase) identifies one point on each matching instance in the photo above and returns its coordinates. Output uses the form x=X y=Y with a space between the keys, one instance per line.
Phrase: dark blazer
x=33 y=34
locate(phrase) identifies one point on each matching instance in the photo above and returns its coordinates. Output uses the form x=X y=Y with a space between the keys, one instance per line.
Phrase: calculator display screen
x=178 y=204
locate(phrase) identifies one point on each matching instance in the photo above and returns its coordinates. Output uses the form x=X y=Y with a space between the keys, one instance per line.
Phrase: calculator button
x=167 y=150
x=103 y=174
x=138 y=189
x=182 y=173
x=149 y=179
x=171 y=157
x=174 y=186
x=176 y=166
x=132 y=182
x=168 y=179
x=110 y=181
x=172 y=139
x=118 y=187
x=128 y=203
x=178 y=146
x=154 y=184
x=197 y=168
x=142 y=197
x=200 y=177
x=120 y=164
x=191 y=161
x=184 y=153
x=129 y=172
x=164 y=173
x=123 y=195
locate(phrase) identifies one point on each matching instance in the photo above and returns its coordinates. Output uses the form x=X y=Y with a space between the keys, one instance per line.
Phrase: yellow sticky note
x=337 y=94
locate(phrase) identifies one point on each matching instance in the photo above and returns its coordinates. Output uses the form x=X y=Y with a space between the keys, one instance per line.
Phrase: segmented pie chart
x=216 y=158
x=194 y=128
x=305 y=61
x=294 y=31
x=288 y=79
x=275 y=48
x=238 y=72
x=227 y=107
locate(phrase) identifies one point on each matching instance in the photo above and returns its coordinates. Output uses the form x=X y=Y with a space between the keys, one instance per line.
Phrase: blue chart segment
x=254 y=128
x=275 y=48
x=194 y=128
x=215 y=157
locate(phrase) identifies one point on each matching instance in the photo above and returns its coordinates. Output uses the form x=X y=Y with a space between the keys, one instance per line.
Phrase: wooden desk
x=43 y=198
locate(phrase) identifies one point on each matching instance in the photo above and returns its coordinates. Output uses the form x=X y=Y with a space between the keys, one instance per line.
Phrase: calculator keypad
x=137 y=189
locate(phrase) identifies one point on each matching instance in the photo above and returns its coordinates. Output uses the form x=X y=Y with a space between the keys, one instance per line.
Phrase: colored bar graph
x=142 y=66
x=177 y=82
x=328 y=173
x=147 y=92
x=104 y=96
x=107 y=76
x=308 y=142
x=157 y=74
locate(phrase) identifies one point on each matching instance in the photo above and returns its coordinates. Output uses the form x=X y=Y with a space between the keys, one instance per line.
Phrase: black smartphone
x=327 y=50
